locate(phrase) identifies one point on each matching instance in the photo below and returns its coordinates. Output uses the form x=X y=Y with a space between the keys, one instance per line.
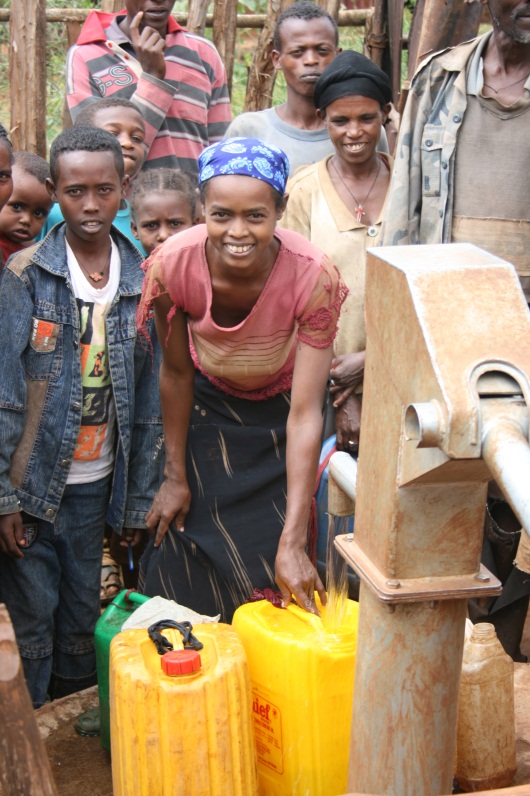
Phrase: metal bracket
x=393 y=590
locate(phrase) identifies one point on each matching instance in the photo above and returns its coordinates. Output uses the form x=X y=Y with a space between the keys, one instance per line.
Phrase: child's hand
x=131 y=536
x=12 y=535
x=149 y=47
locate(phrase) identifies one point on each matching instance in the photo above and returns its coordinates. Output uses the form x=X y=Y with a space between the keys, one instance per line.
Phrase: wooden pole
x=331 y=6
x=73 y=29
x=438 y=25
x=197 y=16
x=395 y=36
x=349 y=18
x=262 y=74
x=376 y=38
x=27 y=75
x=112 y=6
x=24 y=767
x=224 y=34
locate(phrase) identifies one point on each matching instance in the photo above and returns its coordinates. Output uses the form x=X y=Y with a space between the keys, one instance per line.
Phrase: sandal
x=111 y=583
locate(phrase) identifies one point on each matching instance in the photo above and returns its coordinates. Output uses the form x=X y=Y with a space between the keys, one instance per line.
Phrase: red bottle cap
x=180 y=662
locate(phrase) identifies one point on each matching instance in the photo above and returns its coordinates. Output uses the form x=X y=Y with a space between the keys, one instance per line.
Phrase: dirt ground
x=82 y=768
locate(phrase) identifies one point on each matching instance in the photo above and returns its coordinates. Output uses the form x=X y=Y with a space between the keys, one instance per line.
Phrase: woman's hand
x=171 y=503
x=347 y=425
x=347 y=370
x=296 y=576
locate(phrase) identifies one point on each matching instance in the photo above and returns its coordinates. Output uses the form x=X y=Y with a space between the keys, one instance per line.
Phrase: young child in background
x=163 y=202
x=27 y=209
x=6 y=167
x=68 y=330
x=6 y=186
x=121 y=118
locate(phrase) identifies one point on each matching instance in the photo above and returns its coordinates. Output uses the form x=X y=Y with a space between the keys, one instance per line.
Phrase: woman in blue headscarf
x=246 y=315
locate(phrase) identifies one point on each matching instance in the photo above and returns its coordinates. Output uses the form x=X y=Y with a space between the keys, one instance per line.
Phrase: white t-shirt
x=94 y=452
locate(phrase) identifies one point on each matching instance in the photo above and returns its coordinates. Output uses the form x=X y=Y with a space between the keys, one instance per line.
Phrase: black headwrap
x=351 y=73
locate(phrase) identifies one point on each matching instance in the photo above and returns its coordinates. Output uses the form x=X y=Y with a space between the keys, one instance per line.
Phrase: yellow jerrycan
x=180 y=722
x=301 y=675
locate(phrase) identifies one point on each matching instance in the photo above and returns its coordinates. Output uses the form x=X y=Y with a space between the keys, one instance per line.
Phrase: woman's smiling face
x=241 y=214
x=354 y=127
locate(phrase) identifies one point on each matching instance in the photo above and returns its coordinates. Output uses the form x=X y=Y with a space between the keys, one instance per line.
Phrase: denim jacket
x=40 y=384
x=147 y=449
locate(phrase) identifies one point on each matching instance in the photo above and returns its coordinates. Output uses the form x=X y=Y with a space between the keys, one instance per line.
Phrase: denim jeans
x=52 y=594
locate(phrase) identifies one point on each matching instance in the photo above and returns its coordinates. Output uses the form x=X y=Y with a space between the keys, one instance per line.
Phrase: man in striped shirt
x=176 y=79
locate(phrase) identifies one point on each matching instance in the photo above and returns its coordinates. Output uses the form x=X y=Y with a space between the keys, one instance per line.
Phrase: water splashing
x=336 y=577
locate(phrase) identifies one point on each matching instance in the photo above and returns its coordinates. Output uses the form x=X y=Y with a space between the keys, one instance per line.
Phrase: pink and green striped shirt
x=183 y=113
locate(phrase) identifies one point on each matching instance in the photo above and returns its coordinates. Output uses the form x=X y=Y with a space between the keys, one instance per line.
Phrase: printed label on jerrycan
x=267 y=732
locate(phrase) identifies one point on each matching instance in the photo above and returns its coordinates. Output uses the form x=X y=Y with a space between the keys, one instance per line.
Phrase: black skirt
x=236 y=470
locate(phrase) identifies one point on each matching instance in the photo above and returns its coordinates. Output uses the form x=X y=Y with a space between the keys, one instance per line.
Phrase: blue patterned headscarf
x=247 y=156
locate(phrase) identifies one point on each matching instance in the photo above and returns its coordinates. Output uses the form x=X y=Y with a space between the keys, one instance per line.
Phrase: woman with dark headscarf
x=246 y=315
x=338 y=204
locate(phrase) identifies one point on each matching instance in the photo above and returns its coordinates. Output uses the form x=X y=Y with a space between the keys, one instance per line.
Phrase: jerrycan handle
x=163 y=644
x=305 y=616
x=134 y=596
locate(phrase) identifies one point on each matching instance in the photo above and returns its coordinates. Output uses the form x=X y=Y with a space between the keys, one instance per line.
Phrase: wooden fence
x=27 y=59
x=435 y=25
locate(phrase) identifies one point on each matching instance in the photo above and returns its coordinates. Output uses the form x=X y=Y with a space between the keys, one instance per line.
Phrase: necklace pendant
x=97 y=276
x=359 y=212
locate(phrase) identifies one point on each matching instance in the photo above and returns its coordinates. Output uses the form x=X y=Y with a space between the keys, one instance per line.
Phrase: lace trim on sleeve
x=319 y=320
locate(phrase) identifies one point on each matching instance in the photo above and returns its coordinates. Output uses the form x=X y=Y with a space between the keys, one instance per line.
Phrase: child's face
x=160 y=215
x=6 y=179
x=241 y=217
x=89 y=190
x=26 y=210
x=128 y=126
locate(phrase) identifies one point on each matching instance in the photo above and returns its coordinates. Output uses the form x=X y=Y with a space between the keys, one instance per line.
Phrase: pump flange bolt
x=393 y=584
x=482 y=576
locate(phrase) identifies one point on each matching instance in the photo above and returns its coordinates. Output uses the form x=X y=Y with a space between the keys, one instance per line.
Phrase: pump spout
x=506 y=451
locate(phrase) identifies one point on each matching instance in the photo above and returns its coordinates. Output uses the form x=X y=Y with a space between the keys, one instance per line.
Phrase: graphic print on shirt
x=113 y=77
x=96 y=381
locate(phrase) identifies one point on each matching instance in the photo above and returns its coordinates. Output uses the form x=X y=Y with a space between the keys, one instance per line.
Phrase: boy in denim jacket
x=68 y=326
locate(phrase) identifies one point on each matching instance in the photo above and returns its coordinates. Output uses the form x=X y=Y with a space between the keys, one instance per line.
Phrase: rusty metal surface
x=506 y=451
x=456 y=329
x=393 y=591
x=342 y=483
x=434 y=345
x=405 y=699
